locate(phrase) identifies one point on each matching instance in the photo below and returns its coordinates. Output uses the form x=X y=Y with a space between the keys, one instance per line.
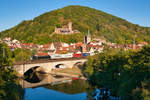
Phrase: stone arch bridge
x=47 y=66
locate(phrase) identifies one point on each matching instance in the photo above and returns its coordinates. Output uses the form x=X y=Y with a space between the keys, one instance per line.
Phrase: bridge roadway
x=47 y=60
x=47 y=65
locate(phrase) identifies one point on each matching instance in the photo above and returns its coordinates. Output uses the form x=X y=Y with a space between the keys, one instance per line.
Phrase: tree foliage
x=5 y=55
x=9 y=88
x=21 y=55
x=126 y=73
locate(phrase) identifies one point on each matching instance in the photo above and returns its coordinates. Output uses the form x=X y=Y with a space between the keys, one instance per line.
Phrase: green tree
x=5 y=55
x=22 y=55
x=126 y=73
x=9 y=88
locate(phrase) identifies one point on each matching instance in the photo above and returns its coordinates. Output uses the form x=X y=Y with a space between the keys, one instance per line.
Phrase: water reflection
x=56 y=87
x=34 y=76
x=46 y=79
x=74 y=87
x=63 y=89
x=53 y=87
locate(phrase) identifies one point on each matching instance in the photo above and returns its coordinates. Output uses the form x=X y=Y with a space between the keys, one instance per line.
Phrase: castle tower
x=70 y=26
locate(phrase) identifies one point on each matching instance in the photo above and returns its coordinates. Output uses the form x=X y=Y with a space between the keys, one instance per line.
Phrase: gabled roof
x=57 y=44
x=79 y=44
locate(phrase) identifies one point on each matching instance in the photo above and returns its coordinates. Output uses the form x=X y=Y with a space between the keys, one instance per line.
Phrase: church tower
x=70 y=26
x=87 y=38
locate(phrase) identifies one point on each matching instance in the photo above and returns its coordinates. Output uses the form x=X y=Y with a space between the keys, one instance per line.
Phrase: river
x=40 y=86
x=55 y=88
x=42 y=93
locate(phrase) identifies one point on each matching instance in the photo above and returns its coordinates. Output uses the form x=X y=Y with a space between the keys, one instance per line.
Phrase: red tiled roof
x=79 y=44
x=46 y=45
x=57 y=44
x=65 y=48
x=42 y=54
x=90 y=45
x=145 y=43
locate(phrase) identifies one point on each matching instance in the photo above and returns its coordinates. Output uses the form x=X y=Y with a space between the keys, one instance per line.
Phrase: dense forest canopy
x=101 y=24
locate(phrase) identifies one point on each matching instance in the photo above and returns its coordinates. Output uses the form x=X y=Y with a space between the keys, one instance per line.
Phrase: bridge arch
x=34 y=68
x=33 y=75
x=77 y=63
x=60 y=66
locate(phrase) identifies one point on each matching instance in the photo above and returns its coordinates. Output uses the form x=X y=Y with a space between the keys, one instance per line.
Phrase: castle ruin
x=66 y=29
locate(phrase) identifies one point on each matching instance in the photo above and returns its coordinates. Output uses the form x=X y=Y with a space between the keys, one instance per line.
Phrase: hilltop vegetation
x=101 y=24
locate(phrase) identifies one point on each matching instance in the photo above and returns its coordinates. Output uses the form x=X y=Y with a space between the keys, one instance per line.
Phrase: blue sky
x=12 y=12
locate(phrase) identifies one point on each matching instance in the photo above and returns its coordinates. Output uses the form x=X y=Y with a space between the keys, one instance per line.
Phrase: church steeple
x=88 y=34
x=88 y=37
x=85 y=40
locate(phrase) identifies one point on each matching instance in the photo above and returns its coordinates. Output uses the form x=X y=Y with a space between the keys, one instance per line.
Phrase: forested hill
x=101 y=24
